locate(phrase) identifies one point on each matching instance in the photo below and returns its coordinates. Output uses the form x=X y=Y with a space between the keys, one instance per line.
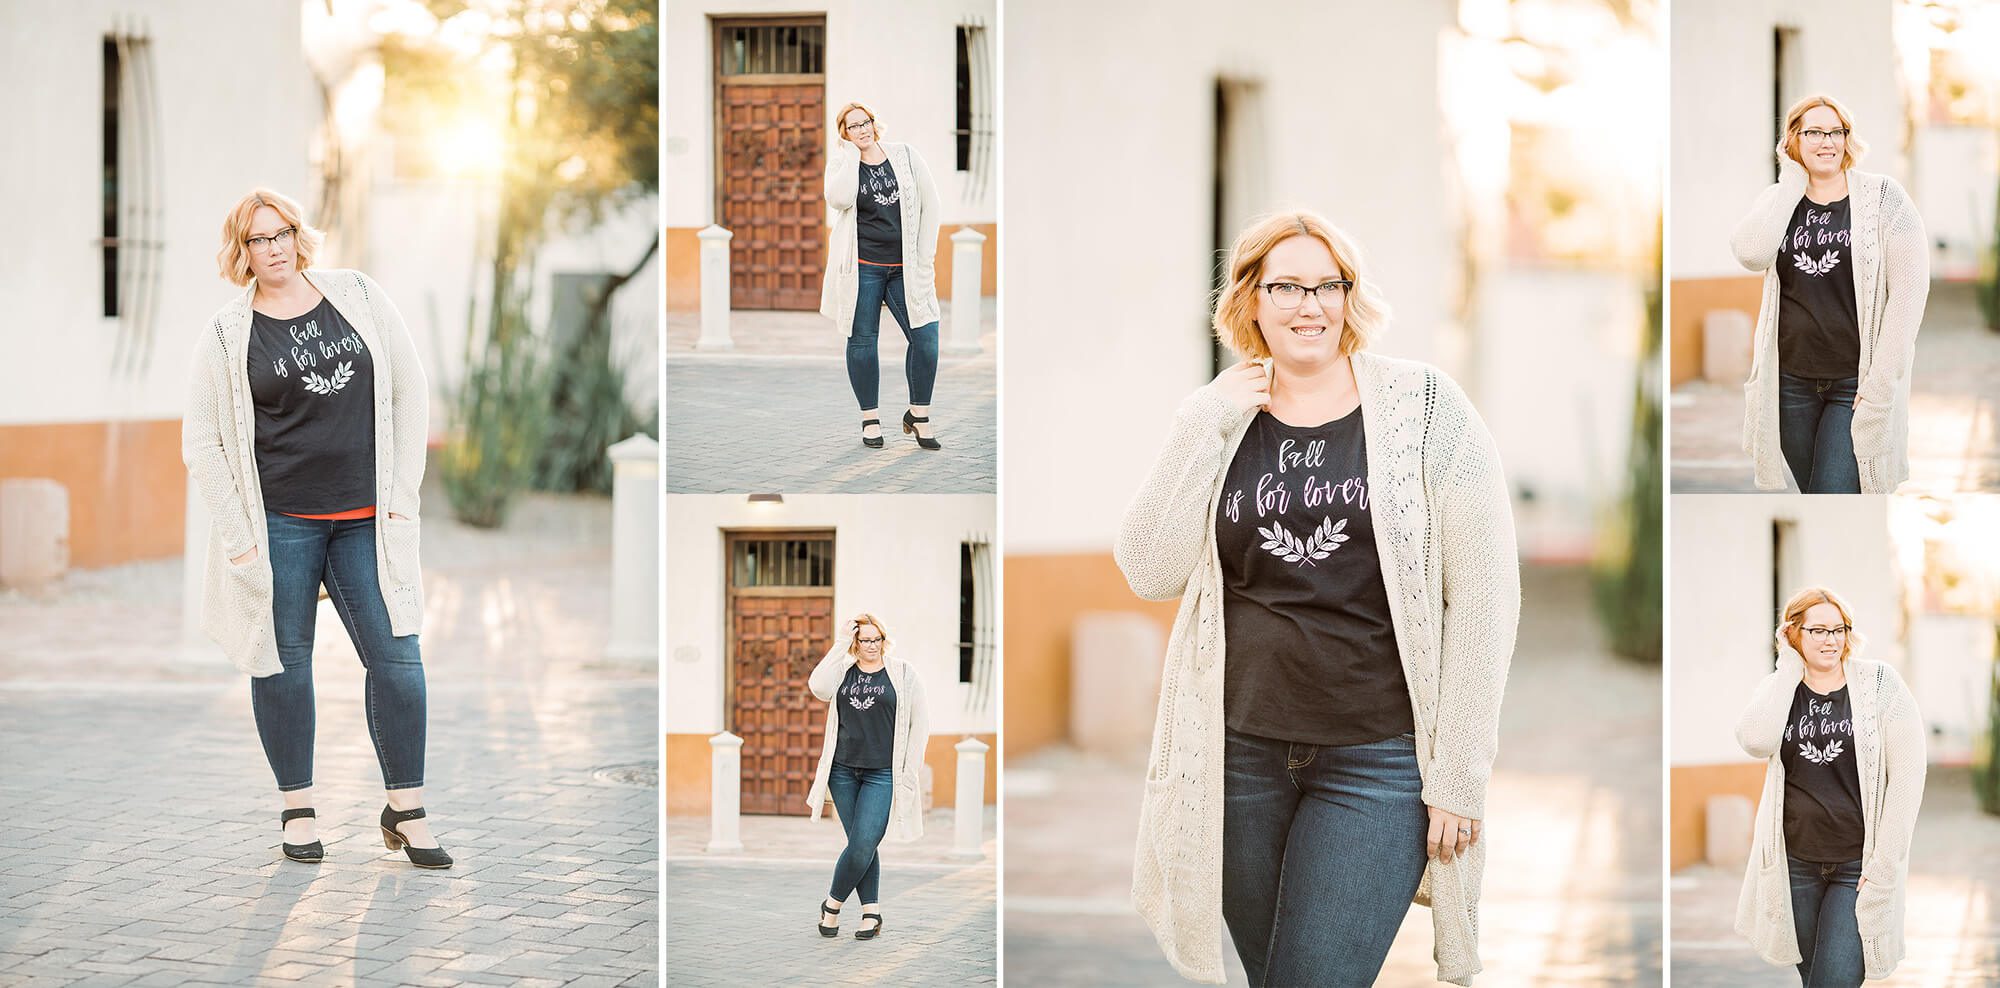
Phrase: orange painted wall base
x=1692 y=787
x=1691 y=299
x=688 y=776
x=127 y=487
x=1045 y=595
x=683 y=269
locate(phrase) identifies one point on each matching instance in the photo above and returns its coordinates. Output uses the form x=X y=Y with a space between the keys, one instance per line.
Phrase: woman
x=1844 y=750
x=1847 y=270
x=872 y=762
x=306 y=422
x=1337 y=528
x=885 y=229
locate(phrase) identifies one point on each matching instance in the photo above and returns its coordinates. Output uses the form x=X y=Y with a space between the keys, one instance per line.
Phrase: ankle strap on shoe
x=294 y=814
x=395 y=816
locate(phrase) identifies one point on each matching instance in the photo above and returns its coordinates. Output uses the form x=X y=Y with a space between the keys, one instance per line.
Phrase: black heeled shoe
x=869 y=934
x=393 y=839
x=872 y=442
x=824 y=912
x=308 y=853
x=910 y=423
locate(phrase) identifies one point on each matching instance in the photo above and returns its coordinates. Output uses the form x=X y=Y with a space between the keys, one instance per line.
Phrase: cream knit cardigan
x=1445 y=532
x=913 y=734
x=921 y=212
x=1891 y=283
x=1889 y=748
x=218 y=435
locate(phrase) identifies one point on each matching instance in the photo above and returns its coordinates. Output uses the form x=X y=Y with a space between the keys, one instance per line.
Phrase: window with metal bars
x=975 y=623
x=780 y=562
x=773 y=49
x=113 y=74
x=973 y=117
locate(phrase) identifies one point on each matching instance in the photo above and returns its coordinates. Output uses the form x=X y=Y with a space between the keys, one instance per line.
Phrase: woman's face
x=868 y=643
x=1308 y=335
x=272 y=257
x=858 y=128
x=1821 y=155
x=1821 y=637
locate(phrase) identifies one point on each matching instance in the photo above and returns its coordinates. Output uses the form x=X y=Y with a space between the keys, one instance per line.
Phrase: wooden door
x=780 y=626
x=770 y=137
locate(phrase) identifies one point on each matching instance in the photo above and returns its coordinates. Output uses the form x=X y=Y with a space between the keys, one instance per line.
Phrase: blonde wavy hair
x=1363 y=315
x=234 y=257
x=1791 y=620
x=854 y=646
x=840 y=121
x=1795 y=122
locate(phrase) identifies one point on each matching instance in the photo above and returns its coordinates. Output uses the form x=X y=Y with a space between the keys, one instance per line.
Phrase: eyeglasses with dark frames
x=869 y=641
x=856 y=128
x=1815 y=135
x=1291 y=295
x=263 y=244
x=1822 y=634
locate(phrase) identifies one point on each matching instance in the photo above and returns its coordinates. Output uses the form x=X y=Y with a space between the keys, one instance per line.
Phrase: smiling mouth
x=1309 y=332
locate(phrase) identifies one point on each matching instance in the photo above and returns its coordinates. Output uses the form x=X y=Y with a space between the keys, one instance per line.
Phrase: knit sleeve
x=1762 y=725
x=202 y=450
x=1761 y=232
x=409 y=402
x=930 y=206
x=1906 y=273
x=843 y=176
x=920 y=719
x=826 y=677
x=1903 y=764
x=1166 y=526
x=1482 y=600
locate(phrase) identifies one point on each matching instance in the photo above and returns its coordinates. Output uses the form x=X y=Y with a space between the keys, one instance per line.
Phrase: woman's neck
x=874 y=154
x=288 y=295
x=1824 y=681
x=1314 y=396
x=1823 y=190
x=866 y=665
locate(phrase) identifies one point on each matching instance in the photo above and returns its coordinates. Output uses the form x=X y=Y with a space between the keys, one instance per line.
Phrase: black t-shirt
x=1822 y=785
x=313 y=384
x=881 y=214
x=1311 y=650
x=1819 y=334
x=867 y=734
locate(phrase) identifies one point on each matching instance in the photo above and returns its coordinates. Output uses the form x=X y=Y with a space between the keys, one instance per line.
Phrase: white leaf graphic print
x=1810 y=752
x=1816 y=267
x=1288 y=547
x=858 y=703
x=324 y=386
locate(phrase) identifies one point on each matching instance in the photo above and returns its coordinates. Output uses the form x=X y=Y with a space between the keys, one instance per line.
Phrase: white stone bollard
x=635 y=549
x=34 y=531
x=970 y=804
x=714 y=289
x=967 y=262
x=1730 y=824
x=1725 y=346
x=725 y=793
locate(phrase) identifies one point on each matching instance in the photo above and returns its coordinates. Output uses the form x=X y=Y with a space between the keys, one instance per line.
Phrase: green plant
x=1986 y=749
x=588 y=406
x=1988 y=286
x=1626 y=581
x=500 y=416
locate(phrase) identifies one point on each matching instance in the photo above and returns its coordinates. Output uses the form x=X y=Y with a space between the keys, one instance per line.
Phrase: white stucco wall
x=1720 y=610
x=895 y=556
x=1723 y=132
x=219 y=136
x=1108 y=174
x=897 y=56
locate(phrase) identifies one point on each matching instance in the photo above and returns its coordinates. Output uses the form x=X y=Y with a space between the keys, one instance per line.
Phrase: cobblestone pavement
x=778 y=416
x=1954 y=412
x=141 y=838
x=1952 y=933
x=1572 y=885
x=745 y=918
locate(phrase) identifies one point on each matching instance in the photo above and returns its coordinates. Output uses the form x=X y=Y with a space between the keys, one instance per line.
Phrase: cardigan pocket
x=401 y=538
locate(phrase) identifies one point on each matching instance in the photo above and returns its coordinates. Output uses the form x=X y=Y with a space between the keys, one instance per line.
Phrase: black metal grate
x=774 y=49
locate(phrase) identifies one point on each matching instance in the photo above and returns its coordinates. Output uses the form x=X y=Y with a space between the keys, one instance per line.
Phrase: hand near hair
x=1247 y=385
x=1788 y=166
x=1449 y=835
